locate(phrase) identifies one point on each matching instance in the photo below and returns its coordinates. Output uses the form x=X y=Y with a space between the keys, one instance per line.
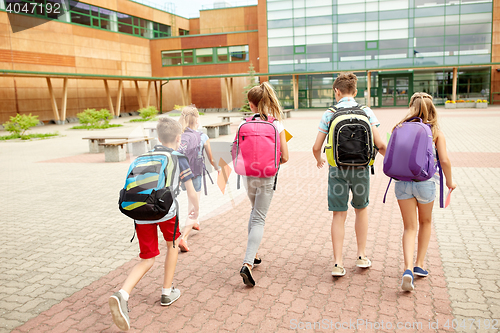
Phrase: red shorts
x=147 y=234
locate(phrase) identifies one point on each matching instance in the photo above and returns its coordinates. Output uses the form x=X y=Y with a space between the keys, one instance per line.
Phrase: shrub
x=148 y=113
x=481 y=101
x=460 y=101
x=450 y=102
x=178 y=107
x=91 y=118
x=19 y=124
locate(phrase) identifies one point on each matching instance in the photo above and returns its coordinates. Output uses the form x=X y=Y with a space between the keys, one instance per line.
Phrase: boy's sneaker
x=338 y=271
x=407 y=282
x=119 y=311
x=420 y=271
x=363 y=262
x=174 y=296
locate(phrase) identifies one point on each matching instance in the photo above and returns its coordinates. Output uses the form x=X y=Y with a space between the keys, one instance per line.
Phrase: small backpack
x=151 y=185
x=350 y=138
x=410 y=154
x=190 y=147
x=256 y=148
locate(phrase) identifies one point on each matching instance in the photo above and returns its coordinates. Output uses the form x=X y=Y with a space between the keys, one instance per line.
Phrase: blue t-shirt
x=345 y=103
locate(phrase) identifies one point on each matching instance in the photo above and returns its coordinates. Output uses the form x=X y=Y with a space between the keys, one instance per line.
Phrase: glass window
x=124 y=18
x=94 y=11
x=430 y=41
x=316 y=20
x=342 y=47
x=125 y=28
x=432 y=31
x=351 y=18
x=170 y=58
x=222 y=54
x=318 y=11
x=371 y=45
x=105 y=24
x=183 y=32
x=430 y=21
x=300 y=49
x=277 y=33
x=204 y=55
x=452 y=29
x=54 y=9
x=321 y=48
x=476 y=8
x=188 y=56
x=80 y=18
x=238 y=53
x=393 y=14
x=280 y=50
x=475 y=29
x=475 y=39
x=104 y=13
x=429 y=11
x=299 y=22
x=280 y=24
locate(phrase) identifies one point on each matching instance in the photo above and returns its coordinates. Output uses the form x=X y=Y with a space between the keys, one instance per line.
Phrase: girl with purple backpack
x=192 y=145
x=419 y=196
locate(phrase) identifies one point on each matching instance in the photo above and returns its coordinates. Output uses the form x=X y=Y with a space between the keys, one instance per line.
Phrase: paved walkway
x=65 y=247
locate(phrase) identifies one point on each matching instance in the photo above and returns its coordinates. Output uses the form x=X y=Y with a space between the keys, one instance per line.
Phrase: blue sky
x=191 y=8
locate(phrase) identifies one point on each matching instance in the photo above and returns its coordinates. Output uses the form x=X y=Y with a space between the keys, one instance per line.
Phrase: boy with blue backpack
x=149 y=197
x=353 y=141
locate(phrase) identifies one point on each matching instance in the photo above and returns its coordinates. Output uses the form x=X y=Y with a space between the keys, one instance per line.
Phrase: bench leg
x=213 y=132
x=225 y=130
x=94 y=147
x=138 y=148
x=115 y=153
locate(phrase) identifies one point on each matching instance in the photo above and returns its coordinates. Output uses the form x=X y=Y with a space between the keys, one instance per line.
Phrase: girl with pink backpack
x=418 y=195
x=258 y=150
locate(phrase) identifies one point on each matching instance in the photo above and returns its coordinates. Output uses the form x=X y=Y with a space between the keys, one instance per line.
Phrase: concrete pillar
x=115 y=153
x=94 y=147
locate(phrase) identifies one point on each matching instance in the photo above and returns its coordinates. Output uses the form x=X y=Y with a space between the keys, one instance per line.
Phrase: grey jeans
x=260 y=192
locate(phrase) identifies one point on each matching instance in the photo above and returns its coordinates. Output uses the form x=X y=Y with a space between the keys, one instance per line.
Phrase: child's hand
x=193 y=213
x=451 y=185
x=320 y=163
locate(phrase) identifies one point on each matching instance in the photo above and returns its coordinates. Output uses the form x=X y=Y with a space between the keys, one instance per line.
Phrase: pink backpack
x=256 y=148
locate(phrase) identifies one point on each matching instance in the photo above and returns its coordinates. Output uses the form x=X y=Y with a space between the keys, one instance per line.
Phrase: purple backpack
x=410 y=154
x=190 y=147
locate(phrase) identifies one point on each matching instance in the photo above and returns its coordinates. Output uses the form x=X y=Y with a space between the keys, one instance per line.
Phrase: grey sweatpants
x=260 y=192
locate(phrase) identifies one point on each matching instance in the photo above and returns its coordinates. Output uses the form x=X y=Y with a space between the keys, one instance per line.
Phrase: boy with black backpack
x=149 y=197
x=353 y=141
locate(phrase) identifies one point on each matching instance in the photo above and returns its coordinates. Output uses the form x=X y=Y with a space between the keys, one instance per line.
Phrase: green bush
x=148 y=113
x=19 y=124
x=92 y=118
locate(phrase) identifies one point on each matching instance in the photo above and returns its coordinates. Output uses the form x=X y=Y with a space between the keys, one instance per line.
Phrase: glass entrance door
x=395 y=90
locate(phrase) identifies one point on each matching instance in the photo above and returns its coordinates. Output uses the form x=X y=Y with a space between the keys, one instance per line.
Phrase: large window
x=212 y=55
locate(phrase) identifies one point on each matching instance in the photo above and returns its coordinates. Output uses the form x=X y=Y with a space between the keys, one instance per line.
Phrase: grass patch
x=89 y=127
x=27 y=136
x=139 y=120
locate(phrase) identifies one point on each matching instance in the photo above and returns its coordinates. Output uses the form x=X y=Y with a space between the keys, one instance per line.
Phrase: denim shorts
x=196 y=184
x=424 y=192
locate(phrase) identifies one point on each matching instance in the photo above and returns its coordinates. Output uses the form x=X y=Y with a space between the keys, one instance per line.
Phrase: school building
x=59 y=57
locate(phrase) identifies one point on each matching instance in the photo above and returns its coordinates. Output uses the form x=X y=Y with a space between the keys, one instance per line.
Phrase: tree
x=253 y=83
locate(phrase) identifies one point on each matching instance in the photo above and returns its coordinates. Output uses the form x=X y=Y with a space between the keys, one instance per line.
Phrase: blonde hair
x=168 y=129
x=421 y=106
x=189 y=116
x=346 y=83
x=264 y=97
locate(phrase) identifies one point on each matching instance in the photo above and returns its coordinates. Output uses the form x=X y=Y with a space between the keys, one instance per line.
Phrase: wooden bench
x=116 y=151
x=95 y=141
x=222 y=128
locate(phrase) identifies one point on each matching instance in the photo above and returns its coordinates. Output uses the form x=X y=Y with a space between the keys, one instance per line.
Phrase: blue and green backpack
x=151 y=186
